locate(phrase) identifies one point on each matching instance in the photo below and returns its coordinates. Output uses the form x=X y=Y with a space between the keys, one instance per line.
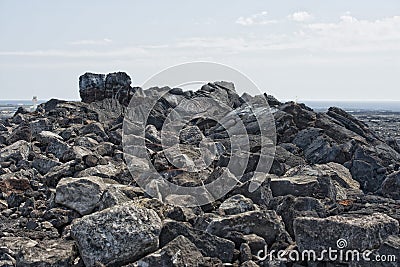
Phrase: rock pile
x=67 y=197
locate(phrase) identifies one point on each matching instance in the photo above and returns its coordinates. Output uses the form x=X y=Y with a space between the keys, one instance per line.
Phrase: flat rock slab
x=361 y=232
x=27 y=252
x=266 y=224
x=118 y=235
x=303 y=186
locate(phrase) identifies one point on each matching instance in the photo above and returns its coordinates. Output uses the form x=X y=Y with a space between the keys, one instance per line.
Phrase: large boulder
x=266 y=224
x=209 y=245
x=44 y=164
x=80 y=194
x=22 y=251
x=304 y=186
x=116 y=236
x=338 y=173
x=15 y=152
x=360 y=232
x=391 y=186
x=92 y=87
x=97 y=87
x=290 y=207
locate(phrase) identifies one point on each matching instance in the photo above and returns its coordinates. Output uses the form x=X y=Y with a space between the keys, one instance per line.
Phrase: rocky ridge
x=68 y=198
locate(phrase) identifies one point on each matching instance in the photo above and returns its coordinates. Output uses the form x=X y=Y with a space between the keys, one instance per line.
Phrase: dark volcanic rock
x=92 y=87
x=263 y=223
x=361 y=232
x=80 y=194
x=178 y=252
x=391 y=186
x=19 y=251
x=96 y=87
x=118 y=235
x=64 y=175
x=209 y=245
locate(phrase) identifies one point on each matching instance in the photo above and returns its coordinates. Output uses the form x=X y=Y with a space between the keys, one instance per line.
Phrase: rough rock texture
x=19 y=251
x=117 y=235
x=209 y=245
x=263 y=223
x=63 y=174
x=80 y=194
x=360 y=231
x=178 y=252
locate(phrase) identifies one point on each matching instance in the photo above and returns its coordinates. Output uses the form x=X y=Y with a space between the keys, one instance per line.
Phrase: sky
x=303 y=50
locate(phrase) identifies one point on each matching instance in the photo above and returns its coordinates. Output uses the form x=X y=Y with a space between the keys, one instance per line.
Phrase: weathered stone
x=266 y=224
x=236 y=204
x=27 y=252
x=290 y=207
x=391 y=186
x=390 y=248
x=299 y=185
x=112 y=196
x=44 y=164
x=360 y=231
x=178 y=252
x=21 y=132
x=209 y=245
x=17 y=151
x=104 y=171
x=335 y=171
x=80 y=194
x=116 y=236
x=91 y=87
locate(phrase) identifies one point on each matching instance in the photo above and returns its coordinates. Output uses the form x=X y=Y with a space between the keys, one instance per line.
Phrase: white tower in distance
x=34 y=102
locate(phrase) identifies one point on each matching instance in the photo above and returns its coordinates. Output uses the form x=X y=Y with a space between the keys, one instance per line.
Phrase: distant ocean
x=8 y=106
x=354 y=106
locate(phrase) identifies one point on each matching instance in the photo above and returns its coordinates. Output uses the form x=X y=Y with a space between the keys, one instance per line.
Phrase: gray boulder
x=116 y=236
x=391 y=186
x=44 y=164
x=209 y=245
x=266 y=224
x=178 y=252
x=16 y=152
x=80 y=194
x=335 y=171
x=23 y=251
x=91 y=87
x=236 y=204
x=303 y=186
x=361 y=232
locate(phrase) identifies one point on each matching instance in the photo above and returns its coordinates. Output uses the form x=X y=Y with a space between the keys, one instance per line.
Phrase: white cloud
x=256 y=19
x=300 y=16
x=347 y=35
x=121 y=52
x=104 y=41
x=352 y=34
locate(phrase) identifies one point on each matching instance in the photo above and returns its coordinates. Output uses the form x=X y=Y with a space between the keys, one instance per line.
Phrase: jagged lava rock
x=360 y=231
x=179 y=252
x=118 y=235
x=210 y=245
x=80 y=194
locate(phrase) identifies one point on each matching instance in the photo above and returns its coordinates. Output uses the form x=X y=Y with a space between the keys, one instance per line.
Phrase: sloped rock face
x=64 y=180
